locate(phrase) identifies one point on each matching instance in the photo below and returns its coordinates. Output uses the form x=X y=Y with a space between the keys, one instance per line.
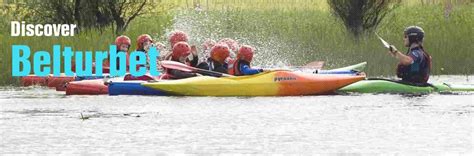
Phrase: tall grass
x=295 y=35
x=285 y=33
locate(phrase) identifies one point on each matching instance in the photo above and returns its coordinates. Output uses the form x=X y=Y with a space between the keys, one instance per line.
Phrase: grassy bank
x=295 y=35
x=287 y=34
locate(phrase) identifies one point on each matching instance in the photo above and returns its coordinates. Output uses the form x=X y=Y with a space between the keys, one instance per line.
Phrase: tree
x=123 y=12
x=360 y=16
x=87 y=14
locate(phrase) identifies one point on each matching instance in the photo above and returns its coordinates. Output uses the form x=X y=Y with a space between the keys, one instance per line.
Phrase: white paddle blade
x=385 y=43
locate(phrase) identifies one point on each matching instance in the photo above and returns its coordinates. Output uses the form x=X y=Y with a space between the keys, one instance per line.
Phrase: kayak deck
x=276 y=83
x=132 y=87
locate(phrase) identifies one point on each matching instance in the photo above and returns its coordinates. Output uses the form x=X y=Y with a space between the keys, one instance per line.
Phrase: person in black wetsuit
x=217 y=61
x=180 y=53
x=415 y=65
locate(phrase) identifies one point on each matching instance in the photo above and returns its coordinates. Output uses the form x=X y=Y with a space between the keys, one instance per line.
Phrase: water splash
x=204 y=25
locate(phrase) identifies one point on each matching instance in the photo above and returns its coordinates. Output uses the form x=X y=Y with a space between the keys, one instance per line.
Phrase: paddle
x=385 y=43
x=186 y=68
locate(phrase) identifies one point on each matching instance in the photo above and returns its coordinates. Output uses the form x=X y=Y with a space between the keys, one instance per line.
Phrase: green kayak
x=392 y=86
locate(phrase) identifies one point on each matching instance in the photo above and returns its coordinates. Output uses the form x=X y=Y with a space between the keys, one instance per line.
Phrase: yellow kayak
x=275 y=83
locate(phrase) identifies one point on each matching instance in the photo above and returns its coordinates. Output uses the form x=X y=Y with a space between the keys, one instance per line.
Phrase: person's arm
x=402 y=58
x=195 y=60
x=246 y=70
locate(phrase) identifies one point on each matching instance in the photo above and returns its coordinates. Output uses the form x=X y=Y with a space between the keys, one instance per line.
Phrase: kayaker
x=180 y=36
x=144 y=42
x=241 y=66
x=180 y=53
x=233 y=45
x=415 y=65
x=123 y=44
x=217 y=61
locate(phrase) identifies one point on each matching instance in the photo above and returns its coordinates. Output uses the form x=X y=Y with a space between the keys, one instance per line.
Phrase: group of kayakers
x=221 y=57
x=414 y=65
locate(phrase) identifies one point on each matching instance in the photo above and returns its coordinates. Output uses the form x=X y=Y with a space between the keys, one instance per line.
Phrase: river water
x=39 y=120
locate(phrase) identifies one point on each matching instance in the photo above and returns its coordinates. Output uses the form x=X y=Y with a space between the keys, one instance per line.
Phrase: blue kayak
x=80 y=78
x=131 y=88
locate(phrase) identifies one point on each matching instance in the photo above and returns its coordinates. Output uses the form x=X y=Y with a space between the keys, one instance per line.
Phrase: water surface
x=39 y=120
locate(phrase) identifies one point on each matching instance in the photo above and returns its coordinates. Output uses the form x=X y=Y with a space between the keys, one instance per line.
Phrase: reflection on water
x=38 y=120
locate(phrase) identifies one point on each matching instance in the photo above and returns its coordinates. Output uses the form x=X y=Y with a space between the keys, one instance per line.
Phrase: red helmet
x=181 y=49
x=142 y=39
x=178 y=36
x=220 y=52
x=122 y=40
x=233 y=45
x=245 y=53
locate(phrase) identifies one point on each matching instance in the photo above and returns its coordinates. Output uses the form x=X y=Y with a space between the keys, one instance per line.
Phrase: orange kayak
x=87 y=87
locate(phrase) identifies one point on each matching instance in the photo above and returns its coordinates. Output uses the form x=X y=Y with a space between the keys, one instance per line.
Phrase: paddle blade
x=385 y=43
x=176 y=65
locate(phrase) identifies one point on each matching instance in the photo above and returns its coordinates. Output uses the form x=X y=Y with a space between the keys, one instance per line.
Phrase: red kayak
x=59 y=82
x=31 y=80
x=97 y=86
x=51 y=81
x=87 y=87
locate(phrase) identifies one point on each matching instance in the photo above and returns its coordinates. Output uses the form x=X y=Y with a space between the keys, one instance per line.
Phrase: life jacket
x=422 y=76
x=234 y=67
x=213 y=66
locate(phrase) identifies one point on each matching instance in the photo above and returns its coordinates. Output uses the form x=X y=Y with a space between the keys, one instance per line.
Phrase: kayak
x=274 y=83
x=50 y=80
x=31 y=80
x=80 y=78
x=100 y=86
x=393 y=86
x=54 y=81
x=86 y=87
x=133 y=87
x=59 y=82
